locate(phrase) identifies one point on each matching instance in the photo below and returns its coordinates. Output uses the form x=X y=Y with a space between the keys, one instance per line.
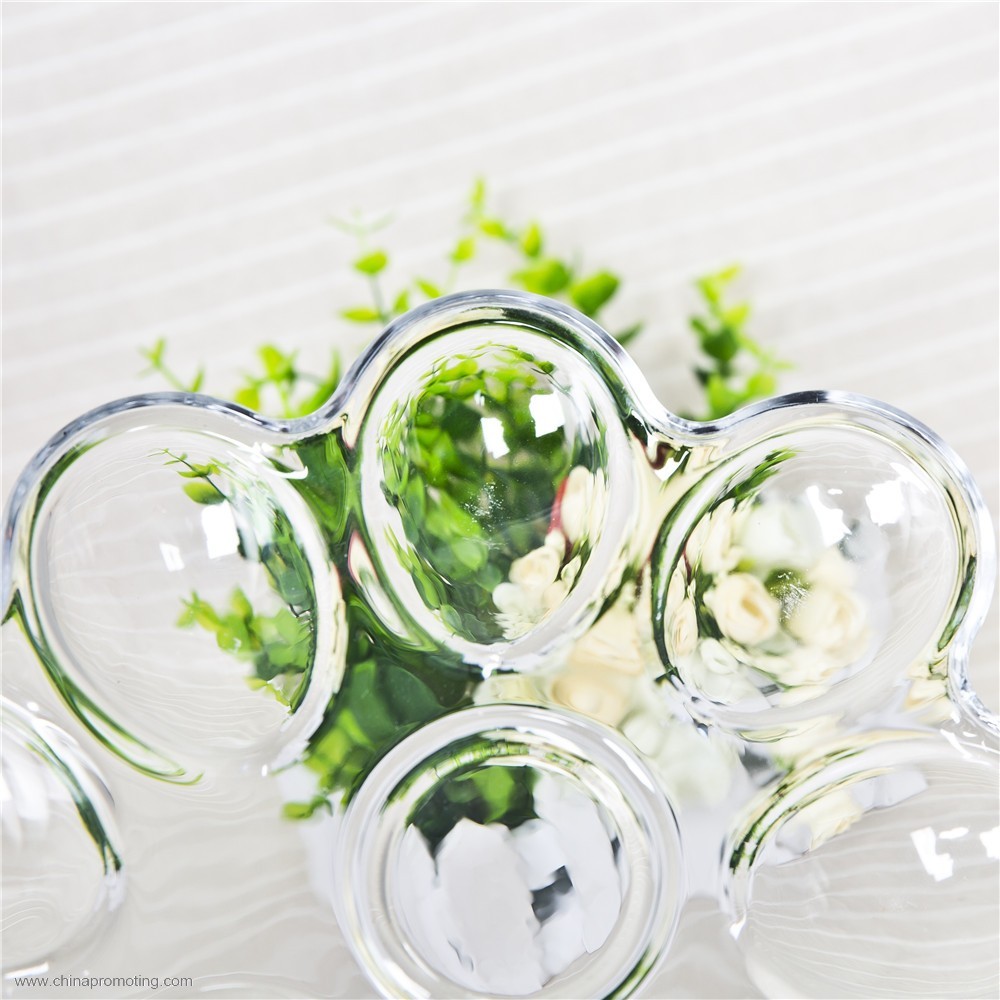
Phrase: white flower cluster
x=539 y=581
x=537 y=584
x=604 y=677
x=783 y=603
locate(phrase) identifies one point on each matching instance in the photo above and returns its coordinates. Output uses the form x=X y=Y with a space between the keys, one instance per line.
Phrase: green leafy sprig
x=535 y=269
x=729 y=351
x=735 y=368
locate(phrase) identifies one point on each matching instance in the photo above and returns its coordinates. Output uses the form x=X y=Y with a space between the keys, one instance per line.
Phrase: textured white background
x=168 y=170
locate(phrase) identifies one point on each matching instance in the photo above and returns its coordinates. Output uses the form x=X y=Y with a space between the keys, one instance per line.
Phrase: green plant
x=735 y=368
x=435 y=472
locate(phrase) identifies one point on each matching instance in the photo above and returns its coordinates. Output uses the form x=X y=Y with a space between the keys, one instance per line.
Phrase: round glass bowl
x=874 y=873
x=174 y=581
x=509 y=851
x=497 y=489
x=62 y=865
x=812 y=571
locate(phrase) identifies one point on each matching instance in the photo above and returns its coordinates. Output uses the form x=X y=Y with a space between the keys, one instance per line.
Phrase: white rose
x=592 y=691
x=743 y=609
x=677 y=587
x=833 y=570
x=718 y=554
x=537 y=569
x=612 y=644
x=574 y=503
x=831 y=619
x=683 y=635
x=555 y=539
x=715 y=673
x=511 y=599
x=581 y=506
x=780 y=534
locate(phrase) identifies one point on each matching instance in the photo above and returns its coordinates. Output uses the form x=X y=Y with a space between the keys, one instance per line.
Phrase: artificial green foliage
x=279 y=646
x=736 y=369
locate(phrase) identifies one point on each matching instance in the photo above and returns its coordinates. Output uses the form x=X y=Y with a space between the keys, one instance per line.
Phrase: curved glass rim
x=776 y=803
x=407 y=772
x=614 y=366
x=78 y=774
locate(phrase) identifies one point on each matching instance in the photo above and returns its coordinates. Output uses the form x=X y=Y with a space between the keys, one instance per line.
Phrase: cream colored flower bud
x=677 y=586
x=718 y=552
x=571 y=571
x=683 y=635
x=511 y=599
x=555 y=539
x=537 y=569
x=574 y=503
x=592 y=692
x=831 y=619
x=743 y=609
x=554 y=594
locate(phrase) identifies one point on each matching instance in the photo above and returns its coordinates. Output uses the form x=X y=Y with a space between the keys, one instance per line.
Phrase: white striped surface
x=169 y=170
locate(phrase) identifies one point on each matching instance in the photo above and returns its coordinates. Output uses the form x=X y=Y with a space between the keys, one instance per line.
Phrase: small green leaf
x=737 y=315
x=477 y=197
x=531 y=241
x=549 y=277
x=722 y=344
x=464 y=250
x=303 y=810
x=402 y=303
x=278 y=366
x=198 y=381
x=203 y=492
x=362 y=314
x=371 y=263
x=761 y=384
x=590 y=294
x=154 y=354
x=721 y=399
x=428 y=288
x=495 y=229
x=248 y=396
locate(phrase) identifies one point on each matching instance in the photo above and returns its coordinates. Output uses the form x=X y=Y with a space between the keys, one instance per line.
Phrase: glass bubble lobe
x=175 y=595
x=496 y=487
x=63 y=873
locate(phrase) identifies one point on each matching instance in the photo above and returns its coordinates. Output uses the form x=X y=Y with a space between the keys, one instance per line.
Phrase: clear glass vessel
x=560 y=658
